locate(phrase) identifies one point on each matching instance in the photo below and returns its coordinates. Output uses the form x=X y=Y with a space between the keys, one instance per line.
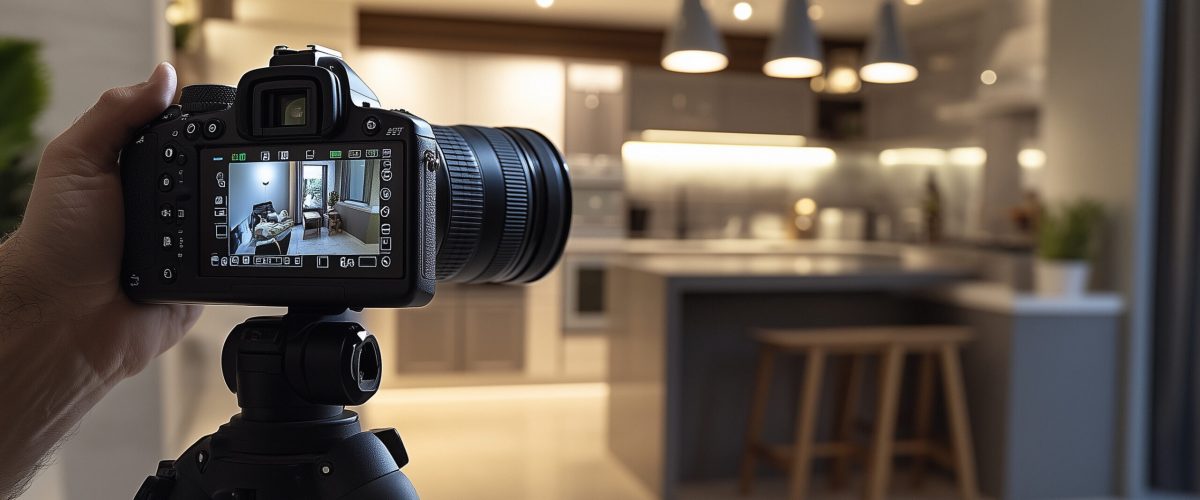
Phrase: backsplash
x=746 y=201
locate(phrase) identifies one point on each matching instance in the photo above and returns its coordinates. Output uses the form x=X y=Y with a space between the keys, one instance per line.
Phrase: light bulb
x=743 y=10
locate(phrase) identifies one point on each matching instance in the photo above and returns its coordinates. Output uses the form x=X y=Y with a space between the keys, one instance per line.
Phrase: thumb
x=103 y=130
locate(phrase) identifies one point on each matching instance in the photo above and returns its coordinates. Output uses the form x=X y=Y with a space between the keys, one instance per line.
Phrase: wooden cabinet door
x=493 y=322
x=428 y=339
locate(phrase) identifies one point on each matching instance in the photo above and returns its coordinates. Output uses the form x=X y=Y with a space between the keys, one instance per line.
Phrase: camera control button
x=168 y=242
x=191 y=130
x=386 y=175
x=371 y=125
x=213 y=128
x=166 y=183
x=181 y=158
x=166 y=213
x=168 y=275
x=172 y=112
x=169 y=152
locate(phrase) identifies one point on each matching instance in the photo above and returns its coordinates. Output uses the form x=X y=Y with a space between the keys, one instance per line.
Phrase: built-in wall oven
x=585 y=306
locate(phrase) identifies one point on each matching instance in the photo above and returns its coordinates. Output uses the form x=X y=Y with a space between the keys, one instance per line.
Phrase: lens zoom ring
x=466 y=203
x=516 y=200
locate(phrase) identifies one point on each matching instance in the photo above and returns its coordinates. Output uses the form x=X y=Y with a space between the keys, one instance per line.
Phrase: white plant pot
x=1067 y=278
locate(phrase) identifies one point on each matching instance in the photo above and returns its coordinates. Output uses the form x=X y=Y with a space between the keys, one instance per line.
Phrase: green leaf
x=24 y=90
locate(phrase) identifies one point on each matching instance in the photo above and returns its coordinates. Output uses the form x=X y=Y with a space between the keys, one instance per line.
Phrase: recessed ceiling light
x=545 y=4
x=743 y=10
x=816 y=12
x=988 y=77
x=914 y=2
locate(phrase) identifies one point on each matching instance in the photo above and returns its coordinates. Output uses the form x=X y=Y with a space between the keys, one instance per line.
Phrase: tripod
x=294 y=439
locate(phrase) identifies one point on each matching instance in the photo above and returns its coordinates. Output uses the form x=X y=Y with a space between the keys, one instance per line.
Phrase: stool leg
x=806 y=422
x=924 y=414
x=885 y=423
x=852 y=380
x=758 y=411
x=960 y=425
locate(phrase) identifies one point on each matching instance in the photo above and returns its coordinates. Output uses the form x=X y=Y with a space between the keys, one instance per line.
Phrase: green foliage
x=1070 y=232
x=334 y=197
x=24 y=91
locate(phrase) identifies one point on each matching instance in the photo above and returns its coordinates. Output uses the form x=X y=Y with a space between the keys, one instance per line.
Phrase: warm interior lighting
x=888 y=72
x=988 y=77
x=843 y=80
x=817 y=84
x=545 y=4
x=805 y=206
x=723 y=156
x=931 y=157
x=914 y=2
x=1031 y=158
x=967 y=157
x=742 y=11
x=816 y=12
x=588 y=77
x=697 y=137
x=695 y=61
x=793 y=67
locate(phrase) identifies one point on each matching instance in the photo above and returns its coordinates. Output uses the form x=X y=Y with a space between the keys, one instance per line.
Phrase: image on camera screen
x=311 y=207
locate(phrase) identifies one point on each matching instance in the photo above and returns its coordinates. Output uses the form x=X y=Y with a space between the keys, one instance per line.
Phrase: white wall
x=88 y=47
x=1099 y=134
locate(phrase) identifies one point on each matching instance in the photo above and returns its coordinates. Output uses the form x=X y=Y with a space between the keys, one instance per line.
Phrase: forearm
x=48 y=386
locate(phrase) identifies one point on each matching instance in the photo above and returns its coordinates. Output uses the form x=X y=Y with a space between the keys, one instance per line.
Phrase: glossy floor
x=538 y=442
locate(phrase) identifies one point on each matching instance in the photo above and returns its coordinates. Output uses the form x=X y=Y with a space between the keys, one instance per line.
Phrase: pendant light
x=693 y=44
x=887 y=55
x=795 y=51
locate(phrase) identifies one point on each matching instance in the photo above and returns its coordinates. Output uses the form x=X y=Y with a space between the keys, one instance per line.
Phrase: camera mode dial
x=206 y=98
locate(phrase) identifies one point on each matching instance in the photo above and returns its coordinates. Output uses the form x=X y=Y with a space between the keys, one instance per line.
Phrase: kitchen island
x=681 y=363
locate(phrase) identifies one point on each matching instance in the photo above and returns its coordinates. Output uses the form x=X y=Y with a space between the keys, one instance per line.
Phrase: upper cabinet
x=721 y=102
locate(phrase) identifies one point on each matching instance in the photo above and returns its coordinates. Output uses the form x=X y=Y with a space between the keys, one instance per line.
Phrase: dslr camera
x=298 y=189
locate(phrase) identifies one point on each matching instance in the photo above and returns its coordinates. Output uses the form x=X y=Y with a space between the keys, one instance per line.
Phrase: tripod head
x=293 y=376
x=302 y=366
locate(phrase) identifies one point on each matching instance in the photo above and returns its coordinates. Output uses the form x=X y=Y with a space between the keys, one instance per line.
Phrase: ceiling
x=841 y=18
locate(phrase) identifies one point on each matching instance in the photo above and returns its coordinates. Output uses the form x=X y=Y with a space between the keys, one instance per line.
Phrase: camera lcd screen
x=301 y=211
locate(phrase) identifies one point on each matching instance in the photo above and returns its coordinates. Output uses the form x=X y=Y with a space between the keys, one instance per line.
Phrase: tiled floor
x=342 y=243
x=538 y=442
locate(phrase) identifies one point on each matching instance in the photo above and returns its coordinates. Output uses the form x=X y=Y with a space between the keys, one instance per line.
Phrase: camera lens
x=504 y=205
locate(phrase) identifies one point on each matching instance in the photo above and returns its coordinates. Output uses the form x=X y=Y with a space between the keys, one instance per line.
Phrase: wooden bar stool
x=891 y=344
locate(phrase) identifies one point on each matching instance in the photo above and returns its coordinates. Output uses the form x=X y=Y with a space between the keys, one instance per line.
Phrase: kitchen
x=890 y=170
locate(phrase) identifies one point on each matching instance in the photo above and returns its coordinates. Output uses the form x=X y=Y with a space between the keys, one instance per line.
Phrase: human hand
x=67 y=331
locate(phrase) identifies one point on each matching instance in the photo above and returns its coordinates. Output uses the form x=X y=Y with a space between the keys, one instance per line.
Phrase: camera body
x=295 y=189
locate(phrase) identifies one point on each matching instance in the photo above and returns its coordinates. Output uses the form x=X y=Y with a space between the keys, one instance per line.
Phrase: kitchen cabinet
x=465 y=329
x=723 y=102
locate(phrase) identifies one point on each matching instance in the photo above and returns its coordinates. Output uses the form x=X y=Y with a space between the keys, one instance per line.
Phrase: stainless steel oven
x=584 y=303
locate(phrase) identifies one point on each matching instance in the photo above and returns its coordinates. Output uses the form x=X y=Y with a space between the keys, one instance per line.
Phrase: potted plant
x=24 y=90
x=333 y=200
x=1067 y=238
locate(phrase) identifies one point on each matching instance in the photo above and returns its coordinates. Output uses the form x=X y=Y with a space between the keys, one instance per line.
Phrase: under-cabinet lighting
x=1031 y=158
x=931 y=157
x=731 y=156
x=967 y=157
x=698 y=137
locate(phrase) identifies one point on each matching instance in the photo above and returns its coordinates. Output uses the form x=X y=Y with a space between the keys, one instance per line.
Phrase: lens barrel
x=504 y=205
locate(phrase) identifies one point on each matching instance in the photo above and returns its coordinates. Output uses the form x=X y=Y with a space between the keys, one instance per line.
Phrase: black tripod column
x=294 y=439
